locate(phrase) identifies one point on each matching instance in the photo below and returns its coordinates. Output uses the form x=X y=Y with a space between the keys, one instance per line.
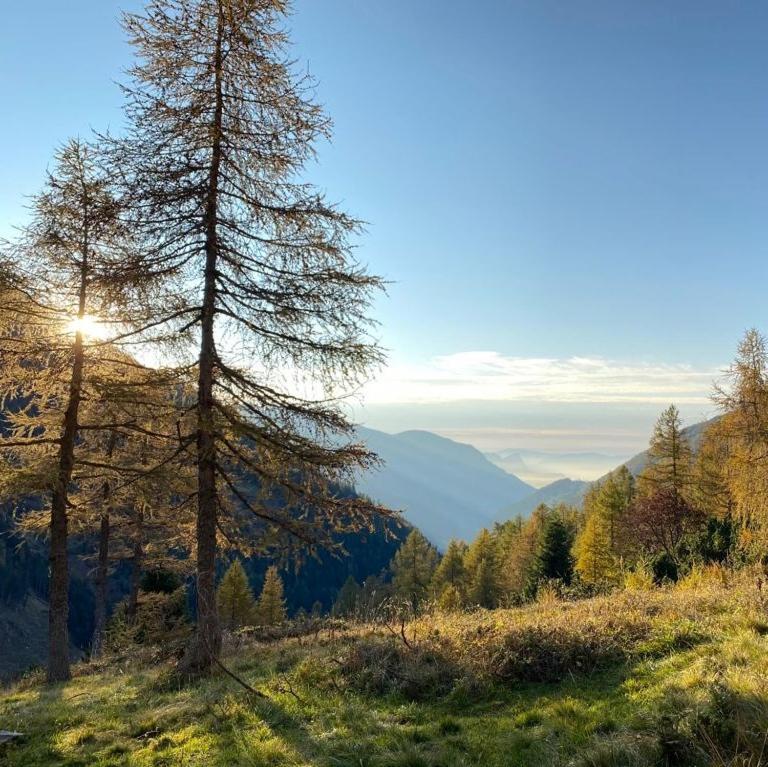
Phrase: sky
x=568 y=199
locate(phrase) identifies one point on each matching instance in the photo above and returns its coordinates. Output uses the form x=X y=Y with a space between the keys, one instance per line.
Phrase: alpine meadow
x=433 y=435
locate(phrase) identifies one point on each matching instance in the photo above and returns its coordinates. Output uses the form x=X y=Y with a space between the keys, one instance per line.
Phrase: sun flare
x=91 y=327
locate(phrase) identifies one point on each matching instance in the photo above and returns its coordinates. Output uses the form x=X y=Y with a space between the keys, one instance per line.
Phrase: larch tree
x=237 y=605
x=743 y=397
x=594 y=560
x=413 y=568
x=270 y=608
x=670 y=459
x=251 y=269
x=451 y=572
x=71 y=264
x=481 y=565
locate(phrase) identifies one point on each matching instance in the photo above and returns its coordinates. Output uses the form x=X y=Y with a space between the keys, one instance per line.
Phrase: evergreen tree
x=237 y=606
x=553 y=559
x=450 y=571
x=669 y=457
x=481 y=565
x=270 y=609
x=518 y=567
x=346 y=602
x=413 y=567
x=220 y=126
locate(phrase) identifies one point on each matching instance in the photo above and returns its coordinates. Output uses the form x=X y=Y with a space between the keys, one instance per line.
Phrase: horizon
x=551 y=206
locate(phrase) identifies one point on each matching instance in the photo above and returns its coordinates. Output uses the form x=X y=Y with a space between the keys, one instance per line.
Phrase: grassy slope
x=684 y=684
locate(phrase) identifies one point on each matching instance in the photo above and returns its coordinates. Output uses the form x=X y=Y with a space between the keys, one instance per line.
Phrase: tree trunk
x=137 y=563
x=206 y=644
x=58 y=601
x=102 y=581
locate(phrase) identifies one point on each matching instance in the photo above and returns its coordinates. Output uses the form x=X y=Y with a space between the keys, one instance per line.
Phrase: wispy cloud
x=490 y=376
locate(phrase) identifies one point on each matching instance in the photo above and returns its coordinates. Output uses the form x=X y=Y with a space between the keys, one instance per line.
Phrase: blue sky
x=547 y=183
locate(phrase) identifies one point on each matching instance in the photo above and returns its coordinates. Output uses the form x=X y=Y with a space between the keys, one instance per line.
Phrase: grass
x=665 y=677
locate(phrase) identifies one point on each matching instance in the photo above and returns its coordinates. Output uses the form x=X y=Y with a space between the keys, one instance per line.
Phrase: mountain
x=569 y=491
x=540 y=468
x=445 y=488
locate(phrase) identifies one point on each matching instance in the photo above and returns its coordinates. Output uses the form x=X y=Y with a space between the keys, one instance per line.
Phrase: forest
x=182 y=320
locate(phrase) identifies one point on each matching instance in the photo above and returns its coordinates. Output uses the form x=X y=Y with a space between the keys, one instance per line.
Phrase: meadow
x=645 y=676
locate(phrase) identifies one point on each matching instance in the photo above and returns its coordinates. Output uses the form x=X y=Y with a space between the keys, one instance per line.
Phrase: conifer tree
x=481 y=566
x=413 y=568
x=251 y=271
x=553 y=559
x=595 y=562
x=270 y=609
x=347 y=599
x=69 y=268
x=743 y=440
x=669 y=457
x=237 y=606
x=451 y=571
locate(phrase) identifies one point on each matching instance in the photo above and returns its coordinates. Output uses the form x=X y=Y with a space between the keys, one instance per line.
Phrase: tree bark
x=58 y=605
x=205 y=648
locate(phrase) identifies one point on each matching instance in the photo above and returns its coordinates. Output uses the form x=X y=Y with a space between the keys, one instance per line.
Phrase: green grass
x=684 y=697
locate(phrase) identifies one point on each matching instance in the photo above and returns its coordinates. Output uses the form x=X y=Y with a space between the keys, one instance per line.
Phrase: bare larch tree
x=274 y=308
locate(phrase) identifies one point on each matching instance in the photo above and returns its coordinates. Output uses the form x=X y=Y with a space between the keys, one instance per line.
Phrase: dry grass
x=649 y=678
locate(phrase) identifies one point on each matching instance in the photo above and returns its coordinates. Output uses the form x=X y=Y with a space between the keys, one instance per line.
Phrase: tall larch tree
x=743 y=398
x=251 y=268
x=71 y=264
x=670 y=458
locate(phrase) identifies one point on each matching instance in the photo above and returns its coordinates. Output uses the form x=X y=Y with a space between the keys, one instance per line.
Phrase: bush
x=382 y=665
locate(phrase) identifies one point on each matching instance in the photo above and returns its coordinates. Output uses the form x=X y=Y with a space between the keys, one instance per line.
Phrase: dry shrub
x=379 y=665
x=549 y=641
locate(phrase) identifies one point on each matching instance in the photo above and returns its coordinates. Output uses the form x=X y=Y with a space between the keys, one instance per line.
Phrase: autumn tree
x=482 y=568
x=669 y=457
x=237 y=606
x=252 y=273
x=603 y=540
x=594 y=560
x=69 y=267
x=660 y=522
x=742 y=435
x=270 y=608
x=450 y=573
x=413 y=568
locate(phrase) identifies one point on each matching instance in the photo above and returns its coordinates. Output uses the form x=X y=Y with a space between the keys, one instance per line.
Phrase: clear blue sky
x=542 y=179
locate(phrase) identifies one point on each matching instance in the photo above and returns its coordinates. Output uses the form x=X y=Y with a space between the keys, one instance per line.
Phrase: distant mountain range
x=446 y=489
x=539 y=468
x=451 y=490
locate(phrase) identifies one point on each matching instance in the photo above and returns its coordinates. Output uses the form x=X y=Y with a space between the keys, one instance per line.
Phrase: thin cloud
x=490 y=376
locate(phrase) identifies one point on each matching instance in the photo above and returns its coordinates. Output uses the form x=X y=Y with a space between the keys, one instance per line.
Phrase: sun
x=89 y=326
